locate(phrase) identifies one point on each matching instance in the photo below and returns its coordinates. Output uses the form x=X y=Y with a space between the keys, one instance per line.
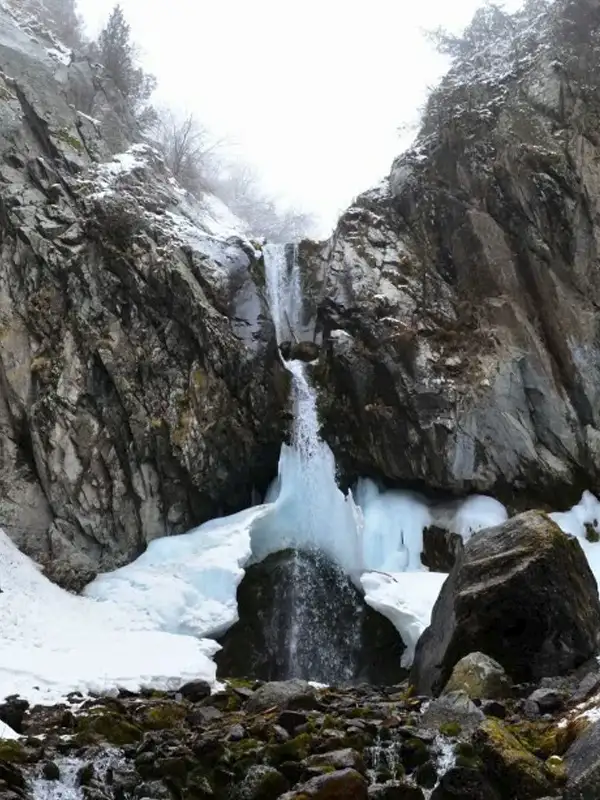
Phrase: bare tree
x=189 y=150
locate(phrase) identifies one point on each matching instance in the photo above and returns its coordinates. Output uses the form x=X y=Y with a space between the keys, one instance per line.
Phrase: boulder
x=464 y=783
x=195 y=691
x=282 y=694
x=440 y=548
x=395 y=790
x=582 y=762
x=521 y=592
x=480 y=677
x=513 y=769
x=299 y=351
x=338 y=639
x=453 y=713
x=345 y=784
x=340 y=759
x=262 y=783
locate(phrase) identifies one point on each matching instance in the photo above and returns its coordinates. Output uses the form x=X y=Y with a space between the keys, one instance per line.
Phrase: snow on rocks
x=129 y=631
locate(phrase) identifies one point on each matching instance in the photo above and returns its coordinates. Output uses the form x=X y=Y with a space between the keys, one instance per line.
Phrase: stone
x=440 y=549
x=548 y=700
x=204 y=715
x=13 y=712
x=290 y=720
x=464 y=783
x=582 y=763
x=395 y=790
x=345 y=784
x=521 y=592
x=282 y=694
x=363 y=645
x=280 y=734
x=299 y=351
x=508 y=764
x=236 y=733
x=195 y=691
x=262 y=783
x=340 y=759
x=492 y=708
x=454 y=709
x=481 y=677
x=51 y=771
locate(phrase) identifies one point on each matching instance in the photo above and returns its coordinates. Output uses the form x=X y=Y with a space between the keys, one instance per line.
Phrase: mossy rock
x=509 y=764
x=296 y=749
x=413 y=753
x=12 y=751
x=108 y=726
x=163 y=716
x=450 y=729
x=556 y=769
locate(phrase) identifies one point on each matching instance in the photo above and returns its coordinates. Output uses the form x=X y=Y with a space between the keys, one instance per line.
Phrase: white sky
x=311 y=93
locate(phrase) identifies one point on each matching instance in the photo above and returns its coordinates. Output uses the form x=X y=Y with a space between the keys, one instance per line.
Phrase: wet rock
x=262 y=783
x=195 y=691
x=480 y=677
x=346 y=784
x=51 y=771
x=454 y=709
x=363 y=645
x=280 y=734
x=465 y=783
x=521 y=592
x=299 y=351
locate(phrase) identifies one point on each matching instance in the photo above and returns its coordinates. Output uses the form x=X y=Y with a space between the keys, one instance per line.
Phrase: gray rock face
x=521 y=592
x=138 y=395
x=460 y=297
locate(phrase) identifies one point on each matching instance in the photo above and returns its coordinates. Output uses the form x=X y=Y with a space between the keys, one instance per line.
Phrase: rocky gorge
x=446 y=334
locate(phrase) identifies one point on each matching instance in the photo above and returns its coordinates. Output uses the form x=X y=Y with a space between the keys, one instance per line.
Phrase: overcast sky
x=312 y=93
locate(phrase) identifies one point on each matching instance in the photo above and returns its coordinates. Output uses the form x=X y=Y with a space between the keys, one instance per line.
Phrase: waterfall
x=312 y=514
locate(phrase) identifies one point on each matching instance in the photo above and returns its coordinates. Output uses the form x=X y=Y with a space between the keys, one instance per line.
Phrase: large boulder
x=582 y=762
x=521 y=592
x=301 y=615
x=480 y=677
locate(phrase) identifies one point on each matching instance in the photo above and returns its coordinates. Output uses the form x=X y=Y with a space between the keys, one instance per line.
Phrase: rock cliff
x=459 y=299
x=139 y=388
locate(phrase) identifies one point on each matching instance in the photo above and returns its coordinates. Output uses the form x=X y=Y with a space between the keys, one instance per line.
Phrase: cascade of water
x=312 y=514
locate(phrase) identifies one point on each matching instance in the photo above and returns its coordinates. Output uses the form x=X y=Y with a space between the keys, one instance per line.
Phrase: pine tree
x=116 y=52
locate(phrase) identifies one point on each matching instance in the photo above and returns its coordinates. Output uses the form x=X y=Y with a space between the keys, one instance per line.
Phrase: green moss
x=199 y=379
x=163 y=716
x=239 y=749
x=12 y=751
x=539 y=738
x=240 y=683
x=451 y=729
x=514 y=767
x=555 y=768
x=296 y=749
x=108 y=726
x=64 y=135
x=361 y=713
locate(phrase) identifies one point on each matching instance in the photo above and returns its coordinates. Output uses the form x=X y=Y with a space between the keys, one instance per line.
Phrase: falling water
x=313 y=514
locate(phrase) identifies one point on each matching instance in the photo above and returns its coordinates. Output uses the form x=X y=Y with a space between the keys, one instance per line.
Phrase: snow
x=6 y=732
x=132 y=627
x=574 y=522
x=407 y=600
